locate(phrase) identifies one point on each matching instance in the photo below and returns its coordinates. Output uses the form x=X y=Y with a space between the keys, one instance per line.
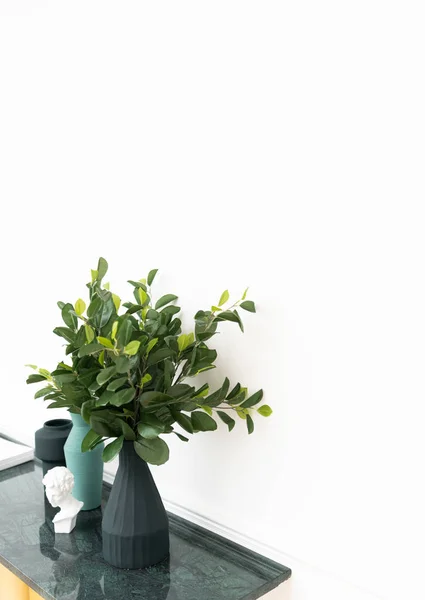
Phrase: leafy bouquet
x=128 y=373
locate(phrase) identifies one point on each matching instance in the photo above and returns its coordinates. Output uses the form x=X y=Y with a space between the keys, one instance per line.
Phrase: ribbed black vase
x=135 y=525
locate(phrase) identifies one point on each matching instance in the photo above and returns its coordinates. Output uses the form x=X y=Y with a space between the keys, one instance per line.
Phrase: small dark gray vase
x=135 y=525
x=49 y=443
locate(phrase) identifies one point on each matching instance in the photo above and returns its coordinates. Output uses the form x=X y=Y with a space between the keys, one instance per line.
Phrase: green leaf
x=146 y=378
x=45 y=372
x=154 y=452
x=202 y=422
x=89 y=333
x=171 y=342
x=125 y=331
x=208 y=368
x=116 y=384
x=150 y=428
x=253 y=400
x=158 y=356
x=113 y=449
x=101 y=426
x=102 y=268
x=138 y=284
x=43 y=392
x=134 y=308
x=127 y=431
x=88 y=376
x=248 y=305
x=219 y=395
x=94 y=307
x=215 y=308
x=184 y=340
x=152 y=398
x=31 y=366
x=105 y=312
x=151 y=344
x=123 y=397
x=202 y=391
x=265 y=410
x=170 y=310
x=66 y=333
x=165 y=300
x=90 y=440
x=105 y=342
x=132 y=348
x=122 y=364
x=240 y=397
x=153 y=421
x=80 y=307
x=239 y=321
x=151 y=314
x=183 y=420
x=105 y=375
x=117 y=301
x=224 y=298
x=181 y=437
x=69 y=318
x=64 y=376
x=89 y=349
x=151 y=276
x=114 y=330
x=227 y=315
x=241 y=412
x=35 y=378
x=143 y=297
x=249 y=424
x=93 y=275
x=86 y=409
x=57 y=396
x=64 y=366
x=226 y=419
x=207 y=409
x=179 y=390
x=234 y=392
x=174 y=327
x=245 y=293
x=105 y=398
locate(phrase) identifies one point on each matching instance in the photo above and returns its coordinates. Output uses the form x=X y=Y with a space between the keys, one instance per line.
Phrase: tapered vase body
x=87 y=467
x=135 y=527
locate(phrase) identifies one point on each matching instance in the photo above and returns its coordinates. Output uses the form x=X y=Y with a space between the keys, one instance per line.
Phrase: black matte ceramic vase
x=49 y=443
x=135 y=525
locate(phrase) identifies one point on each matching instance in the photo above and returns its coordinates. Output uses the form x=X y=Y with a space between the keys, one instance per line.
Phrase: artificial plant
x=128 y=373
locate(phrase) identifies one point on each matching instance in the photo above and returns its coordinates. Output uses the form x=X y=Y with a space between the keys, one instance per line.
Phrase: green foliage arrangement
x=128 y=373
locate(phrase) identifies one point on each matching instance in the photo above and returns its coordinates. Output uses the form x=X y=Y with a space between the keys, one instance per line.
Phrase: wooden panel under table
x=12 y=588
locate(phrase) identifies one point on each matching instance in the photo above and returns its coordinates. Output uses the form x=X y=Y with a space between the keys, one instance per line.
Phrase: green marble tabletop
x=202 y=565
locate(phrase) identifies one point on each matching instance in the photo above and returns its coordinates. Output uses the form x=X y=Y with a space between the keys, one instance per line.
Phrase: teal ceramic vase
x=87 y=467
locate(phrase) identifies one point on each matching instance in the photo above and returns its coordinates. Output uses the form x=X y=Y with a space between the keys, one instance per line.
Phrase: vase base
x=137 y=552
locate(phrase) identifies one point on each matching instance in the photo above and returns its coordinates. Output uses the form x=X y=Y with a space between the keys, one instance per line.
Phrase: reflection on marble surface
x=71 y=566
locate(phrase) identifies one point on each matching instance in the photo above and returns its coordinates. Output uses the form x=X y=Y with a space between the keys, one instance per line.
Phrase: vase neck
x=58 y=424
x=78 y=421
x=129 y=457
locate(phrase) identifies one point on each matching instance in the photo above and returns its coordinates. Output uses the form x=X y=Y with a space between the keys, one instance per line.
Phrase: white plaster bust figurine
x=59 y=483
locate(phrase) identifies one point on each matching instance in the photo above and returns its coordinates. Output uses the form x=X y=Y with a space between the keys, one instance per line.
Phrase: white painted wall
x=273 y=144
